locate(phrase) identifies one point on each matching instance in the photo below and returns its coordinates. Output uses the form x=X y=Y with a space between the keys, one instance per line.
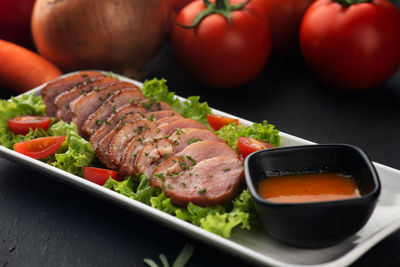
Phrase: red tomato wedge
x=99 y=176
x=247 y=145
x=217 y=122
x=40 y=147
x=22 y=124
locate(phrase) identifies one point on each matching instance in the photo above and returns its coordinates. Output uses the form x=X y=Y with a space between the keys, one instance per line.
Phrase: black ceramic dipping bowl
x=314 y=224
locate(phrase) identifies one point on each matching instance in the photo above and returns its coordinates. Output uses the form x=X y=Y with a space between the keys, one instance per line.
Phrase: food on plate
x=99 y=176
x=22 y=124
x=25 y=69
x=284 y=19
x=110 y=106
x=217 y=122
x=247 y=145
x=65 y=100
x=40 y=147
x=352 y=44
x=56 y=87
x=222 y=44
x=308 y=187
x=143 y=134
x=99 y=34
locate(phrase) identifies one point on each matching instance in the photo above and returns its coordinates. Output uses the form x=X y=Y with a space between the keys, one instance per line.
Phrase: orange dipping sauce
x=308 y=188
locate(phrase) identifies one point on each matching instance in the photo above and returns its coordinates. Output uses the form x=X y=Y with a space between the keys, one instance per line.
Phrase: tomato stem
x=347 y=3
x=222 y=7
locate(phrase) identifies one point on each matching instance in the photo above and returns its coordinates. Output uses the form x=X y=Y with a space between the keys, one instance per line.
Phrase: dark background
x=47 y=223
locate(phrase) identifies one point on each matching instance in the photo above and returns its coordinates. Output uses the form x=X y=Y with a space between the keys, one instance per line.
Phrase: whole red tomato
x=218 y=52
x=15 y=21
x=284 y=20
x=352 y=47
x=177 y=5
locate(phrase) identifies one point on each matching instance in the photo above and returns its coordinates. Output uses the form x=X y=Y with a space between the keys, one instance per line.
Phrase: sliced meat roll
x=64 y=100
x=111 y=123
x=53 y=89
x=135 y=146
x=187 y=136
x=167 y=119
x=156 y=115
x=192 y=155
x=151 y=106
x=121 y=98
x=101 y=149
x=86 y=104
x=170 y=127
x=151 y=155
x=210 y=182
x=120 y=141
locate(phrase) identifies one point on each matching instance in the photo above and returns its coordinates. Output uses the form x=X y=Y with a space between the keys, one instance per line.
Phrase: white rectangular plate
x=255 y=246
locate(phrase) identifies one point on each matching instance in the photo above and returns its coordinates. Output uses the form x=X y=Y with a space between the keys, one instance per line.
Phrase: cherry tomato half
x=22 y=124
x=217 y=122
x=40 y=147
x=99 y=176
x=247 y=145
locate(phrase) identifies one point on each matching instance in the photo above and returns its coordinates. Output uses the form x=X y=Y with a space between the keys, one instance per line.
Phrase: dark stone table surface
x=47 y=223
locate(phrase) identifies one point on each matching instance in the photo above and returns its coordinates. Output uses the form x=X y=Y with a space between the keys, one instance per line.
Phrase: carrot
x=22 y=69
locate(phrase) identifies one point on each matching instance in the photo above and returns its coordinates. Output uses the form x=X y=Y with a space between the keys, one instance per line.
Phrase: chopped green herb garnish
x=99 y=122
x=179 y=131
x=160 y=176
x=192 y=160
x=194 y=140
x=226 y=169
x=202 y=191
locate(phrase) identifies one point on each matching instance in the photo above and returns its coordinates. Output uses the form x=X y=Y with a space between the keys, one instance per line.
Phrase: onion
x=117 y=35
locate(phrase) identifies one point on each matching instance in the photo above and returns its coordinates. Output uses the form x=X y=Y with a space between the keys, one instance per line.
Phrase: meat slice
x=151 y=155
x=167 y=119
x=121 y=98
x=170 y=127
x=156 y=115
x=210 y=182
x=111 y=123
x=151 y=106
x=135 y=146
x=64 y=100
x=120 y=141
x=86 y=104
x=102 y=147
x=187 y=136
x=192 y=155
x=53 y=89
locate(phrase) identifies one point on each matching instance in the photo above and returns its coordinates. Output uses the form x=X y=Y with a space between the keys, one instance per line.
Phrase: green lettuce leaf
x=216 y=219
x=157 y=90
x=75 y=152
x=136 y=187
x=24 y=105
x=262 y=131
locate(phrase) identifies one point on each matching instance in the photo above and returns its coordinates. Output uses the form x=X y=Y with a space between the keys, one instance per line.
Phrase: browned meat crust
x=58 y=86
x=63 y=100
x=119 y=99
